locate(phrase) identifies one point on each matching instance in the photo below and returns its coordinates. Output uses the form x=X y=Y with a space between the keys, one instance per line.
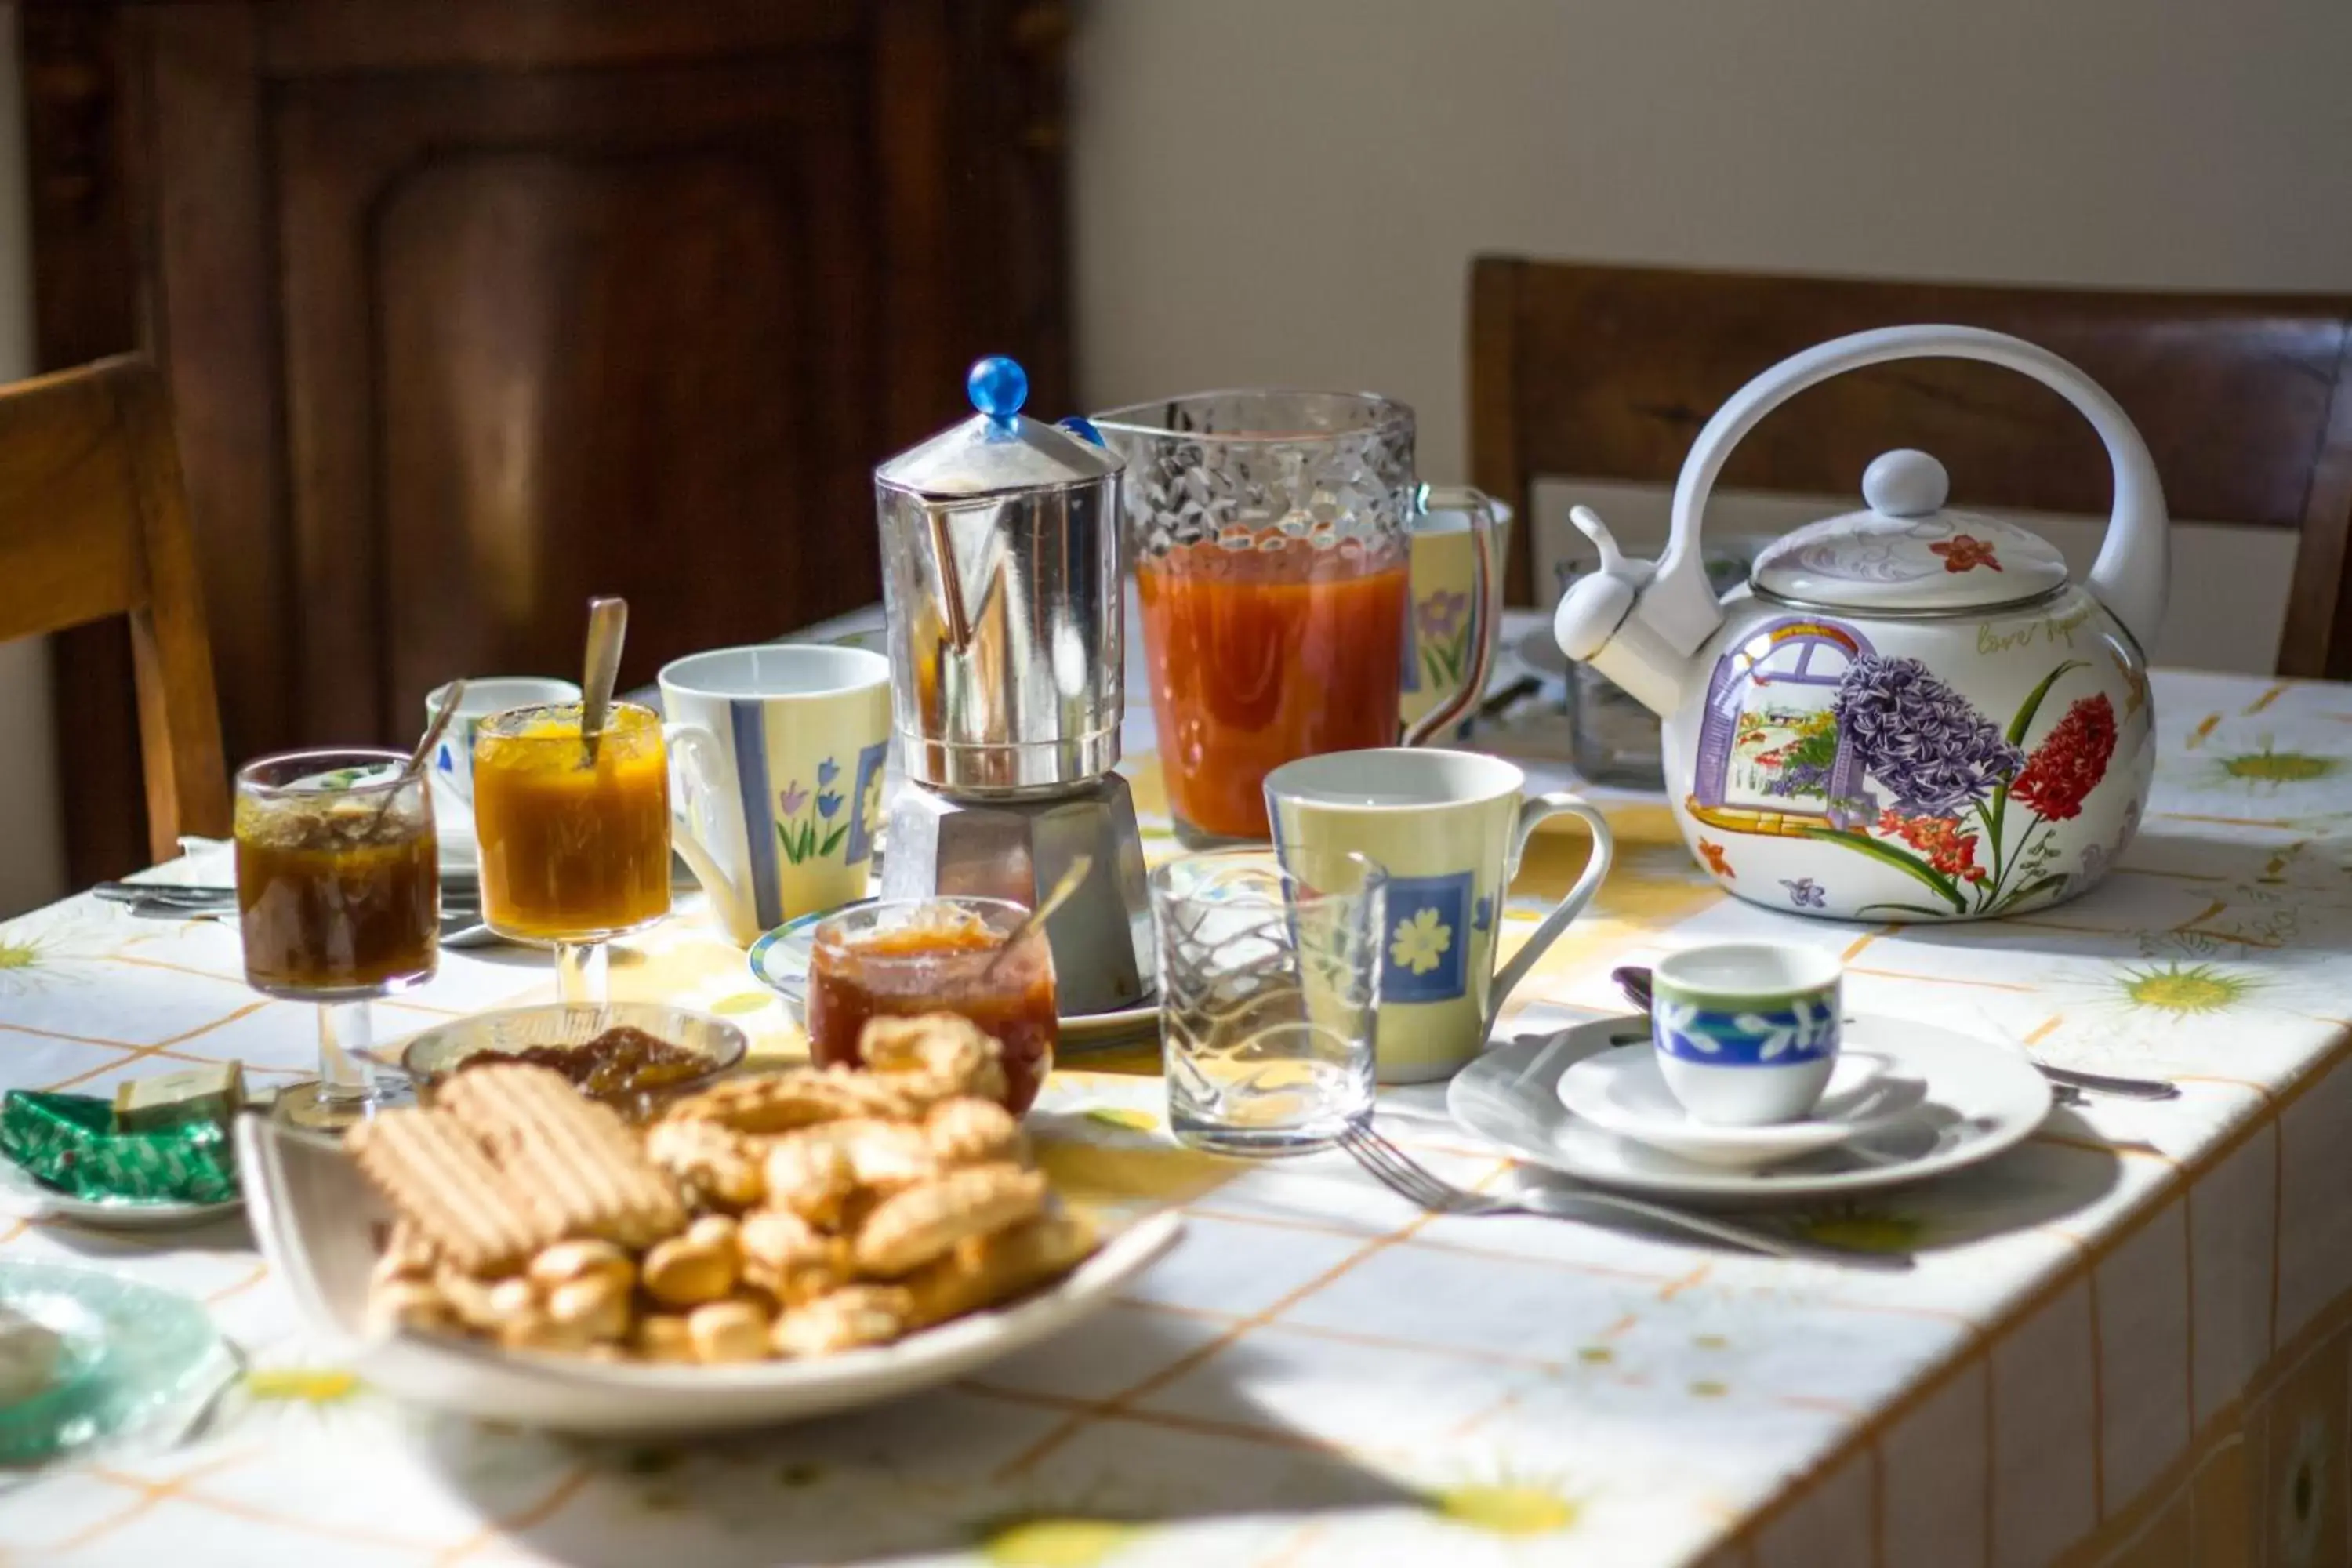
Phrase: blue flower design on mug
x=1428 y=947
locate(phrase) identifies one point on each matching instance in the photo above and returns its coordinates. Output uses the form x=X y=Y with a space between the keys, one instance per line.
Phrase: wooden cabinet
x=474 y=307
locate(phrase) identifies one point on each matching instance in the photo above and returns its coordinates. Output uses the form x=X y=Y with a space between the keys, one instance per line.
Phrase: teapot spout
x=1601 y=622
x=1652 y=672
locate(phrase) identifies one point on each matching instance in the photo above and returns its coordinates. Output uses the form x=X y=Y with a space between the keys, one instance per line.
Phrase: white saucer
x=1981 y=1099
x=1622 y=1091
x=780 y=961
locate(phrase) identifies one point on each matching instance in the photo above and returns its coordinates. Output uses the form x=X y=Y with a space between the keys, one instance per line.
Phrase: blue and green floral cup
x=777 y=758
x=1448 y=828
x=1746 y=1032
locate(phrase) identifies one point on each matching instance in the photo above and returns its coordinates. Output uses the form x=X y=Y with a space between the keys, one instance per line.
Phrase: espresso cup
x=1448 y=828
x=1746 y=1032
x=776 y=759
x=453 y=757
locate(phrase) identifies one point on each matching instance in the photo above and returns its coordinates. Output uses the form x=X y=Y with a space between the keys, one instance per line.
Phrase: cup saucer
x=1621 y=1090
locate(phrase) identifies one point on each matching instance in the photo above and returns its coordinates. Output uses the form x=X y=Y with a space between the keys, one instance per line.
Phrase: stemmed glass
x=574 y=838
x=338 y=893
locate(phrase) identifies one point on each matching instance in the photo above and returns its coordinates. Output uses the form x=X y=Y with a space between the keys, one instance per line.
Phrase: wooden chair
x=93 y=522
x=2245 y=401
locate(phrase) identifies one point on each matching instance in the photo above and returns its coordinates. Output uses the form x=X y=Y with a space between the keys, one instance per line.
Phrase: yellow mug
x=1440 y=618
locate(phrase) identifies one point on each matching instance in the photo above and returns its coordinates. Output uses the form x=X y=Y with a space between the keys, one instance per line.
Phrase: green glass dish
x=131 y=1355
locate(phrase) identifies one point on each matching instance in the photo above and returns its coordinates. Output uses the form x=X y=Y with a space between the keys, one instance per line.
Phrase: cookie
x=770 y=1103
x=969 y=1132
x=574 y=1162
x=439 y=1177
x=933 y=1056
x=715 y=1165
x=983 y=1270
x=909 y=1229
x=788 y=1258
x=809 y=1173
x=846 y=1320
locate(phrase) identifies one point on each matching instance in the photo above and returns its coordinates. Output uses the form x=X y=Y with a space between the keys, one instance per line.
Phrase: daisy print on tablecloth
x=2263 y=767
x=59 y=946
x=2195 y=1000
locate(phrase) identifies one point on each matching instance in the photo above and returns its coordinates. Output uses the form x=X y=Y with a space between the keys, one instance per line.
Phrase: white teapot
x=1907 y=713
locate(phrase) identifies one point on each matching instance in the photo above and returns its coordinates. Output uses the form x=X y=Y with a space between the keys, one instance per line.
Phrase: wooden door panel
x=601 y=338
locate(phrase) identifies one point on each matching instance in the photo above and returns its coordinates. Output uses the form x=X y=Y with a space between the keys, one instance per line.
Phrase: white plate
x=316 y=1221
x=1985 y=1098
x=22 y=1197
x=780 y=961
x=1622 y=1091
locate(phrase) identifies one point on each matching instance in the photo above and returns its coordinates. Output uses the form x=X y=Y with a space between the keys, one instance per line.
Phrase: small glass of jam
x=338 y=893
x=902 y=957
x=574 y=842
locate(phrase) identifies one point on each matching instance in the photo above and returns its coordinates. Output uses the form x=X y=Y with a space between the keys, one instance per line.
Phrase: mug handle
x=1604 y=849
x=1487 y=600
x=694 y=766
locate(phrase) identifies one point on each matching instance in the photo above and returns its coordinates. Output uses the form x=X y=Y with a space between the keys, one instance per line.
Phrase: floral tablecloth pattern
x=2130 y=1341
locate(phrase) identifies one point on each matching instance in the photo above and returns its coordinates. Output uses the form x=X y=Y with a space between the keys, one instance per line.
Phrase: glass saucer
x=130 y=1354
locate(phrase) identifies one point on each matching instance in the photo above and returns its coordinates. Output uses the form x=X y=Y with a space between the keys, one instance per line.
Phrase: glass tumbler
x=575 y=839
x=1268 y=988
x=338 y=894
x=1271 y=533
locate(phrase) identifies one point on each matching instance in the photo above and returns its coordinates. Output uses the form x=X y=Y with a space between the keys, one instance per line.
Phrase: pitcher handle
x=1604 y=847
x=695 y=763
x=1486 y=599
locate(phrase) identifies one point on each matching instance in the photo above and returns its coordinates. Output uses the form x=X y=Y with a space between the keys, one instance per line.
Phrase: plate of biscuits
x=779 y=1246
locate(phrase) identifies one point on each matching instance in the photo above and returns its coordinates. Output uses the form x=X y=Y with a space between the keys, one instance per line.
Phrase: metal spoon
x=608 y=627
x=1633 y=980
x=455 y=694
x=1073 y=875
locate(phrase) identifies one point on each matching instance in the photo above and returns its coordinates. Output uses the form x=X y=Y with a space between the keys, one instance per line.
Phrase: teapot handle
x=2129 y=577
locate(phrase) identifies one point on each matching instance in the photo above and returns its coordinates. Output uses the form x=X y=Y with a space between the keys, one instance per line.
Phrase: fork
x=1401 y=1174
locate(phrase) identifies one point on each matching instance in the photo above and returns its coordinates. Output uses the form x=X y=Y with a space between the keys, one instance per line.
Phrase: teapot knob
x=1905 y=483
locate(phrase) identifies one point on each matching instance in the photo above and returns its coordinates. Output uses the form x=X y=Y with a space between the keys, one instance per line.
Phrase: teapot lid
x=999 y=449
x=1906 y=553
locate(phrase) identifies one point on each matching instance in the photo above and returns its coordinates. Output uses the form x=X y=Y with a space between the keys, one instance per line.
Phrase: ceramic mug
x=1746 y=1032
x=777 y=756
x=1440 y=604
x=453 y=759
x=1448 y=828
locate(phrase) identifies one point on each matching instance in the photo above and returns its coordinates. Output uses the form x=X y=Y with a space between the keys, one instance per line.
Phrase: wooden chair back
x=94 y=522
x=2245 y=401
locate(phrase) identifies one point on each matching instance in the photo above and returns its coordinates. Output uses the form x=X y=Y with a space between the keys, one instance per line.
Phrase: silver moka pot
x=1006 y=624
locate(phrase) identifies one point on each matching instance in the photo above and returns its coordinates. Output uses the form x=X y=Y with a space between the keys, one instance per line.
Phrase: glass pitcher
x=1270 y=534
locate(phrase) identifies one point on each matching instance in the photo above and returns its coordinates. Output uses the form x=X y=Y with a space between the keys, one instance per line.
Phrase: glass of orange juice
x=574 y=836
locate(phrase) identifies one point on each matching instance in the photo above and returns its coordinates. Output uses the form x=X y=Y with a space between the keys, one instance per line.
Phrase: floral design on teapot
x=1810 y=732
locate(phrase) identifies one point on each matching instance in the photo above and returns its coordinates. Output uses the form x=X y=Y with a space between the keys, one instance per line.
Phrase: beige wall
x=1290 y=190
x=31 y=860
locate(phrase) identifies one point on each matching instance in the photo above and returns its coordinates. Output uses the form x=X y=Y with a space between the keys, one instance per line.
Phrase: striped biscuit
x=574 y=1162
x=447 y=1190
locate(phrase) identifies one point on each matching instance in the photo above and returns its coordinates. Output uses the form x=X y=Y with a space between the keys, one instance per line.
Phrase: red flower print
x=1949 y=850
x=1965 y=553
x=2071 y=760
x=1716 y=860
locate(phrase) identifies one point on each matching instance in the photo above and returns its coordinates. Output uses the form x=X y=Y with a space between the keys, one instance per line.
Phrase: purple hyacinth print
x=1933 y=752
